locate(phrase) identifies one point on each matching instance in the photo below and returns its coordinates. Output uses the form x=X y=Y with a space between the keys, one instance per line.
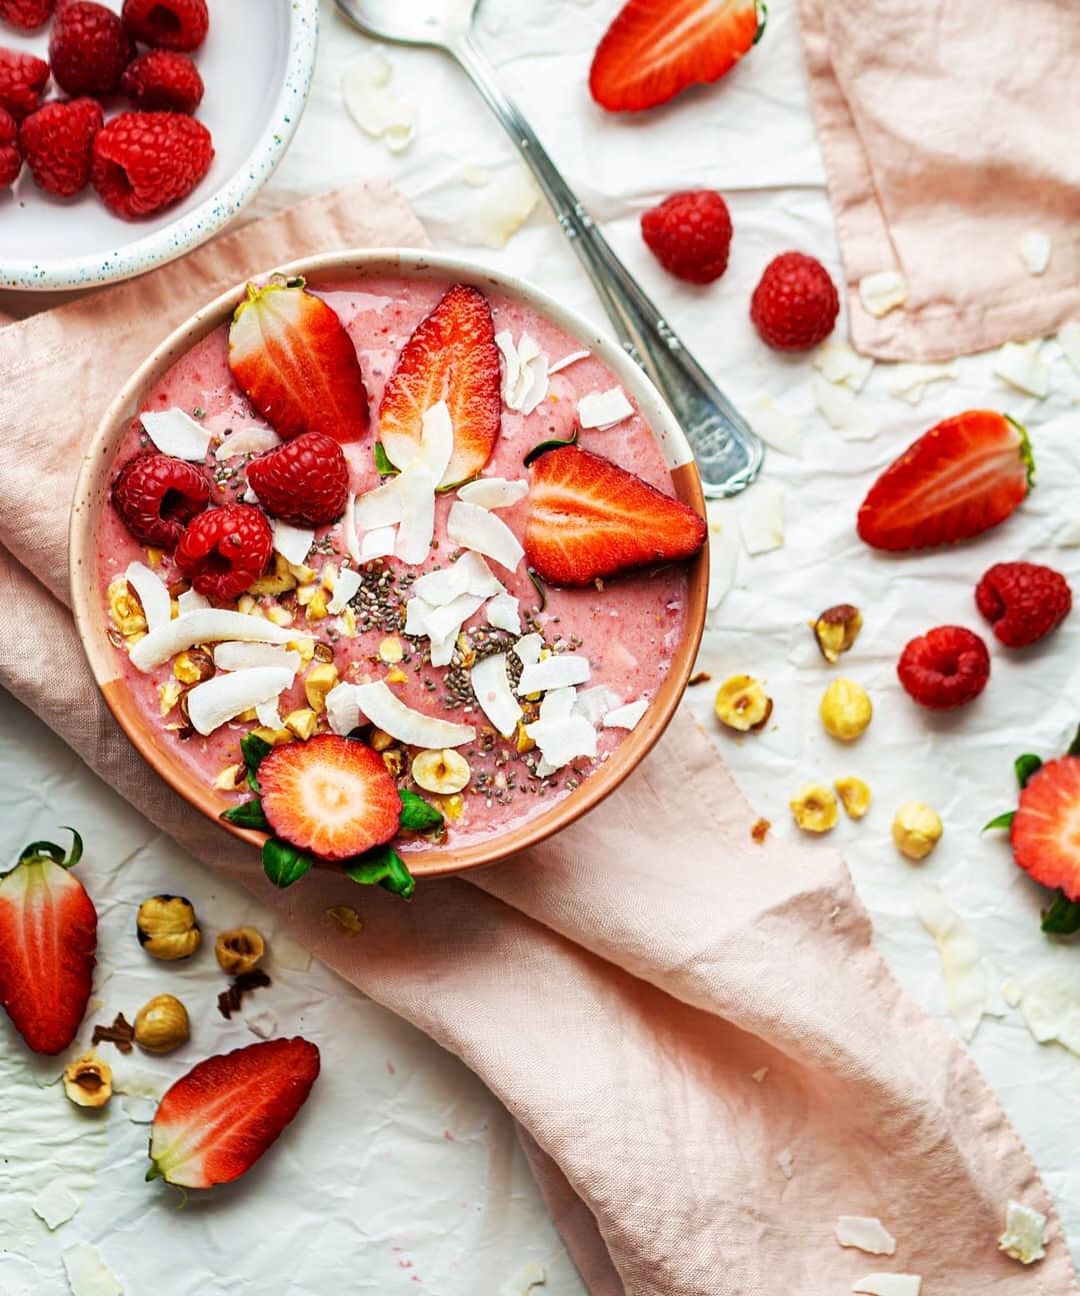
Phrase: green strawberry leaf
x=254 y=751
x=383 y=867
x=284 y=864
x=1063 y=916
x=544 y=446
x=1002 y=821
x=418 y=815
x=1074 y=746
x=249 y=814
x=56 y=853
x=383 y=466
x=763 y=17
x=1026 y=768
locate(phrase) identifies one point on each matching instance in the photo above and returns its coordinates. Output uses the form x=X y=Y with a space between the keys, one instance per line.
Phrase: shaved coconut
x=478 y=529
x=493 y=492
x=491 y=684
x=474 y=176
x=1069 y=337
x=218 y=700
x=206 y=625
x=762 y=519
x=865 y=1234
x=558 y=704
x=153 y=594
x=504 y=613
x=909 y=381
x=781 y=431
x=191 y=601
x=417 y=611
x=786 y=1161
x=568 y=360
x=505 y=205
x=839 y=363
x=343 y=712
x=468 y=575
x=373 y=105
x=436 y=443
x=1069 y=536
x=961 y=962
x=723 y=553
x=1020 y=365
x=882 y=292
x=1011 y=993
x=250 y=439
x=889 y=1284
x=249 y=496
x=528 y=648
x=346 y=587
x=349 y=538
x=1024 y=1238
x=626 y=717
x=594 y=703
x=525 y=372
x=176 y=433
x=442 y=650
x=604 y=409
x=385 y=709
x=1035 y=248
x=446 y=622
x=416 y=491
x=560 y=670
x=527 y=1277
x=380 y=507
x=268 y=714
x=293 y=542
x=379 y=543
x=55 y=1205
x=561 y=741
x=1051 y=1007
x=87 y=1273
x=234 y=654
x=760 y=1075
x=842 y=411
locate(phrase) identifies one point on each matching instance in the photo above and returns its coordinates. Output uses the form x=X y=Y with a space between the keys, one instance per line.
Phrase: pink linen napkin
x=949 y=130
x=618 y=987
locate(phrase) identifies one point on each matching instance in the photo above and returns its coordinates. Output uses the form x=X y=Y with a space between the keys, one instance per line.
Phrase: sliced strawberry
x=331 y=796
x=1046 y=829
x=589 y=518
x=215 y=1122
x=655 y=49
x=48 y=936
x=962 y=477
x=294 y=361
x=451 y=356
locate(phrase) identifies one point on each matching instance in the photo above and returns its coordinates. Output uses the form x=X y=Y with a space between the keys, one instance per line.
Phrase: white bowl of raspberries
x=133 y=130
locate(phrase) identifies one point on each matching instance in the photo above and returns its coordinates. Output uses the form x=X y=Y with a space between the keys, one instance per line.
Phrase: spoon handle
x=728 y=452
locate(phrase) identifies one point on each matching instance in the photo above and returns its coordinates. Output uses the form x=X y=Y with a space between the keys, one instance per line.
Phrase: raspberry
x=88 y=49
x=225 y=550
x=26 y=14
x=57 y=141
x=143 y=161
x=305 y=481
x=1023 y=601
x=795 y=305
x=22 y=79
x=10 y=157
x=946 y=667
x=168 y=24
x=162 y=80
x=157 y=496
x=690 y=235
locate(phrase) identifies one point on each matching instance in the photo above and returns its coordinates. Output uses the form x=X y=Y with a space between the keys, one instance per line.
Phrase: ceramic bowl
x=91 y=496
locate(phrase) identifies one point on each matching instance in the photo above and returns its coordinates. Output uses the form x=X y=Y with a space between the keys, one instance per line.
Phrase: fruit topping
x=1045 y=831
x=22 y=79
x=305 y=481
x=814 y=808
x=161 y=80
x=162 y=1024
x=167 y=24
x=795 y=305
x=26 y=14
x=157 y=496
x=916 y=830
x=589 y=519
x=1023 y=601
x=167 y=927
x=742 y=704
x=224 y=549
x=144 y=161
x=845 y=710
x=946 y=667
x=89 y=47
x=690 y=235
x=10 y=156
x=836 y=630
x=967 y=474
x=57 y=142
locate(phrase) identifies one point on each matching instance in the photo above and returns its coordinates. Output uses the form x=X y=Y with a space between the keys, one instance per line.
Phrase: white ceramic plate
x=257 y=64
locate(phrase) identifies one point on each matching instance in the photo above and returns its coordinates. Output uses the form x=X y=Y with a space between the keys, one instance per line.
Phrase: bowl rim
x=93 y=270
x=96 y=470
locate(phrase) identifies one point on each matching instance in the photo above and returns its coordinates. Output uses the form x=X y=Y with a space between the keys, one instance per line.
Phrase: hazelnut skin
x=239 y=950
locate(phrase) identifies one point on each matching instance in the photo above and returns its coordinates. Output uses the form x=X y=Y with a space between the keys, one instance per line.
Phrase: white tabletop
x=402 y=1174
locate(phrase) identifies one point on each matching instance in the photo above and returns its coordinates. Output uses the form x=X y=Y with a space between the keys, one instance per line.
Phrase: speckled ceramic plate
x=257 y=64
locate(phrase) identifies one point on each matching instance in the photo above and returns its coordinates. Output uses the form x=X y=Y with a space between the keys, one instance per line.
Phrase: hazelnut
x=836 y=630
x=346 y=917
x=814 y=808
x=453 y=806
x=854 y=796
x=441 y=771
x=391 y=650
x=380 y=740
x=88 y=1081
x=239 y=950
x=193 y=666
x=161 y=1024
x=845 y=710
x=394 y=760
x=742 y=704
x=916 y=830
x=167 y=927
x=317 y=683
x=301 y=723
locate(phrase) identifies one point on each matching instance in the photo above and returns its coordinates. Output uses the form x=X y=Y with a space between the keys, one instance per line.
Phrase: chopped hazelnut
x=742 y=704
x=814 y=808
x=239 y=950
x=380 y=740
x=162 y=1025
x=441 y=771
x=394 y=760
x=167 y=927
x=845 y=710
x=317 y=683
x=346 y=917
x=301 y=723
x=760 y=831
x=854 y=796
x=88 y=1081
x=230 y=778
x=916 y=830
x=836 y=630
x=391 y=650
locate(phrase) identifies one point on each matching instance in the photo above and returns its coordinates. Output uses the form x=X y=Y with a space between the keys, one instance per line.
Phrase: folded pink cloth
x=949 y=130
x=618 y=987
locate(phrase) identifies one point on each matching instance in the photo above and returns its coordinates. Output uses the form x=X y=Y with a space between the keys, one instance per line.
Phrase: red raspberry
x=157 y=496
x=22 y=79
x=162 y=80
x=225 y=550
x=795 y=305
x=57 y=141
x=690 y=235
x=168 y=24
x=89 y=48
x=305 y=481
x=144 y=161
x=1023 y=601
x=946 y=667
x=10 y=157
x=26 y=14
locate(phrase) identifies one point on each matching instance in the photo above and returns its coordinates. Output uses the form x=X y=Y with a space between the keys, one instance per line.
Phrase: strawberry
x=48 y=935
x=292 y=358
x=451 y=356
x=1023 y=601
x=589 y=518
x=1045 y=832
x=962 y=477
x=305 y=481
x=331 y=796
x=214 y=1123
x=224 y=550
x=655 y=49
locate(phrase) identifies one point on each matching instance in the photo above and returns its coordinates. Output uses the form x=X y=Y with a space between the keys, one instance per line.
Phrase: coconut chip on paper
x=55 y=1205
x=865 y=1233
x=1020 y=365
x=1035 y=248
x=373 y=105
x=882 y=292
x=908 y=382
x=841 y=410
x=525 y=1281
x=1024 y=1238
x=961 y=961
x=778 y=429
x=761 y=521
x=889 y=1284
x=87 y=1272
x=841 y=364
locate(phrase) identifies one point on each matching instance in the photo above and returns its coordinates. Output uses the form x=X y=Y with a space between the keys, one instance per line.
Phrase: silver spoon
x=728 y=452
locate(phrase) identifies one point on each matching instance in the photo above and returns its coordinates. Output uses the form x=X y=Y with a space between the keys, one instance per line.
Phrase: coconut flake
x=961 y=963
x=865 y=1233
x=386 y=710
x=504 y=613
x=482 y=531
x=378 y=543
x=206 y=625
x=888 y=1284
x=468 y=575
x=493 y=492
x=416 y=491
x=491 y=684
x=1069 y=338
x=191 y=601
x=252 y=439
x=909 y=381
x=595 y=703
x=882 y=292
x=839 y=363
x=558 y=704
x=1020 y=365
x=525 y=372
x=1069 y=535
x=417 y=611
x=604 y=409
x=777 y=429
x=377 y=508
x=87 y=1273
x=1024 y=1238
x=264 y=1024
x=760 y=1075
x=445 y=622
x=343 y=712
x=568 y=360
x=762 y=519
x=153 y=594
x=528 y=648
x=176 y=433
x=527 y=1278
x=346 y=587
x=55 y=1205
x=560 y=670
x=268 y=714
x=1051 y=1007
x=563 y=740
x=786 y=1161
x=505 y=205
x=842 y=411
x=1035 y=247
x=223 y=698
x=373 y=105
x=627 y=716
x=235 y=654
x=293 y=542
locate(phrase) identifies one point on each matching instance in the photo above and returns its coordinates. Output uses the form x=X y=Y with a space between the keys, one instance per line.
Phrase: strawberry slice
x=48 y=935
x=292 y=358
x=1046 y=829
x=962 y=477
x=451 y=356
x=589 y=518
x=215 y=1122
x=331 y=796
x=655 y=49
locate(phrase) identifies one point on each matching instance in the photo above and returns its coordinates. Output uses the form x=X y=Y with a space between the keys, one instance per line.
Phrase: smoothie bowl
x=390 y=564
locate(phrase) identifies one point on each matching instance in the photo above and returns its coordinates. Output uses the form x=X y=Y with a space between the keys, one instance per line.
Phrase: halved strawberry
x=589 y=518
x=962 y=477
x=215 y=1122
x=655 y=49
x=1045 y=832
x=48 y=936
x=451 y=356
x=292 y=358
x=331 y=796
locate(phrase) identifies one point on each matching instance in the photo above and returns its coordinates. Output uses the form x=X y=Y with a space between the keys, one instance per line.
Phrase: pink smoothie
x=629 y=630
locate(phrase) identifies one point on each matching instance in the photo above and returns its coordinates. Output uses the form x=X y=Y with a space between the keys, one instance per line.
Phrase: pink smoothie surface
x=629 y=630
